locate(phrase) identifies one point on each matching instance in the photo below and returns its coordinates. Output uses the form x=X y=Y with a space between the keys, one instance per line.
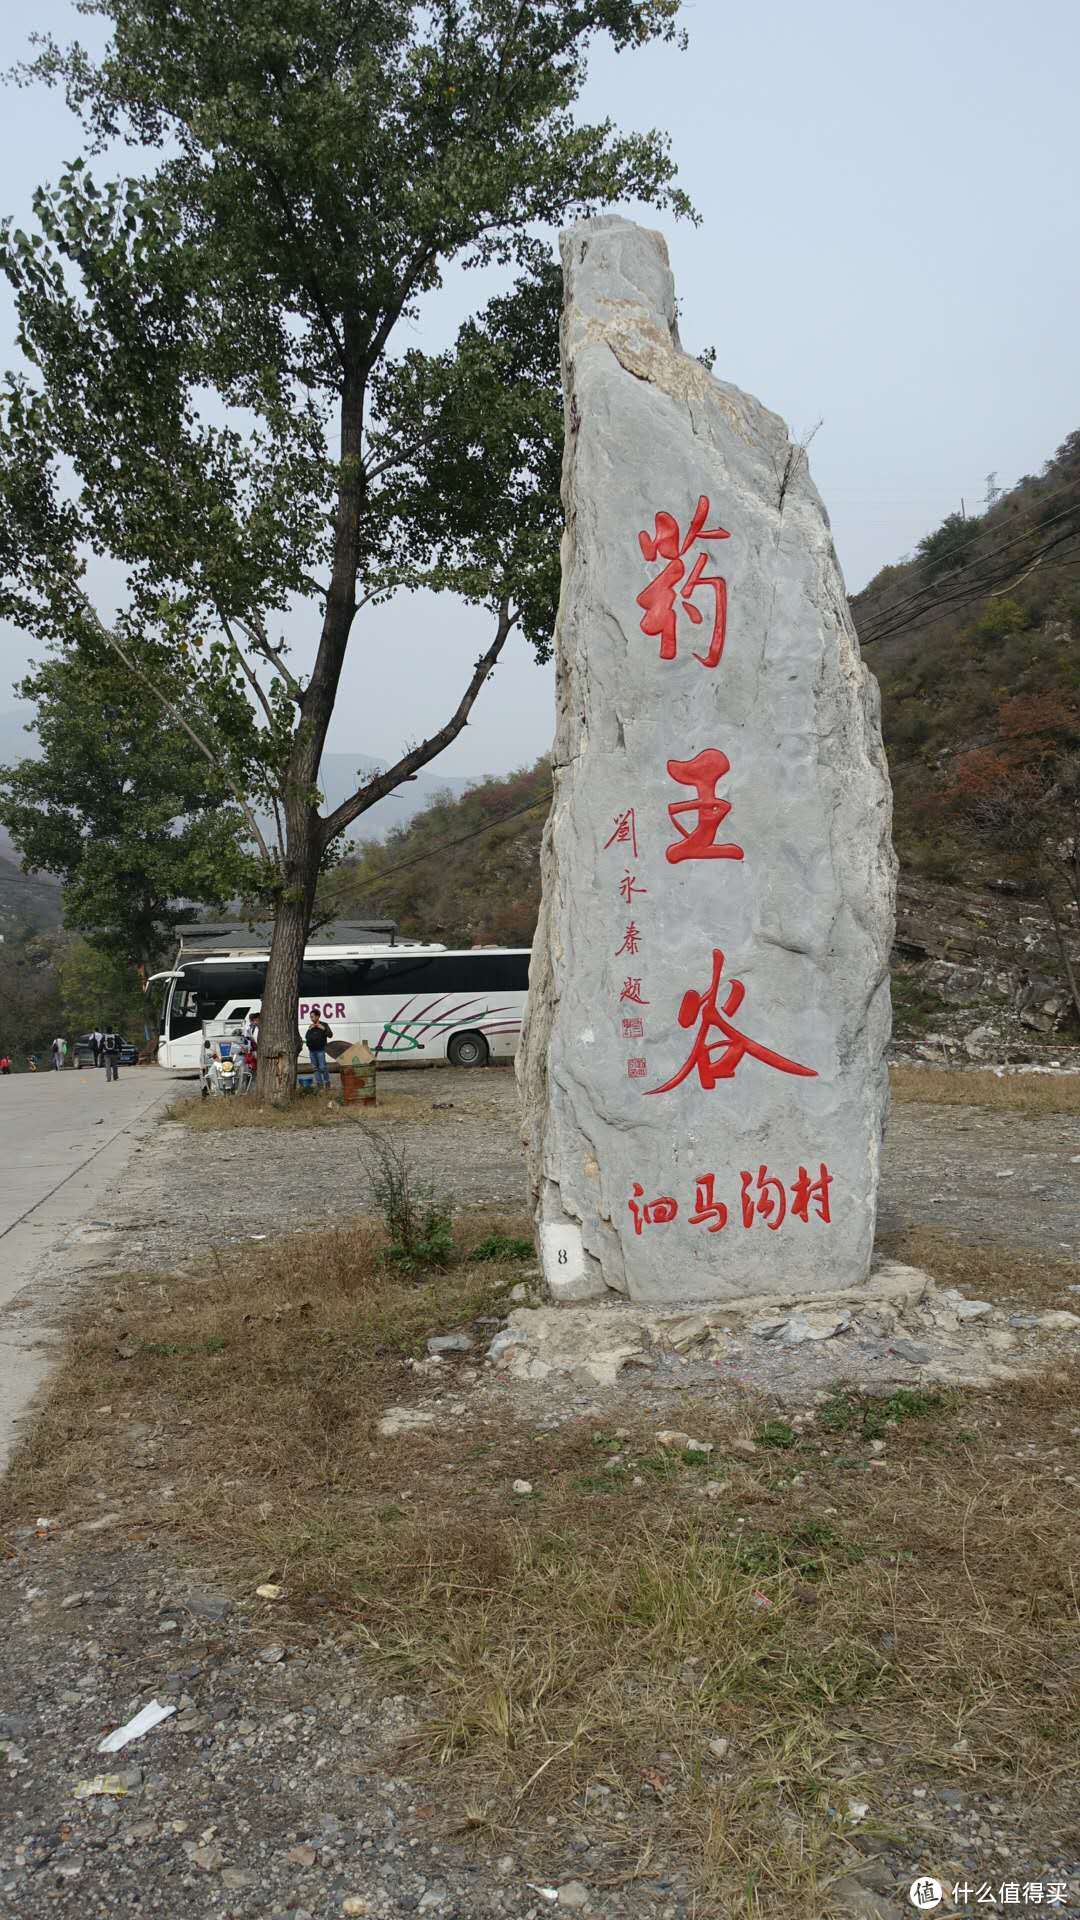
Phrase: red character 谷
x=625 y=833
x=771 y=1201
x=703 y=773
x=658 y=598
x=707 y=1208
x=718 y=1059
x=806 y=1192
x=655 y=1213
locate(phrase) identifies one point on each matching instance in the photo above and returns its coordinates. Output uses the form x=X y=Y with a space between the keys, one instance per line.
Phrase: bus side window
x=334 y=979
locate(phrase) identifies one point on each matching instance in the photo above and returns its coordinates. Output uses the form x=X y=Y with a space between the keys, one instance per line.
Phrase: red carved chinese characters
x=625 y=833
x=658 y=599
x=770 y=1203
x=655 y=1213
x=702 y=773
x=631 y=940
x=708 y=1210
x=806 y=1193
x=718 y=1059
x=762 y=1197
x=632 y=991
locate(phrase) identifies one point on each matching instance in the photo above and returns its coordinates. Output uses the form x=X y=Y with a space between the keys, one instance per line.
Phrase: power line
x=979 y=530
x=898 y=616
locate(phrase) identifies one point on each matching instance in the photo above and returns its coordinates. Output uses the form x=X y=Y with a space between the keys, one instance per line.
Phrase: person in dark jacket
x=315 y=1040
x=110 y=1050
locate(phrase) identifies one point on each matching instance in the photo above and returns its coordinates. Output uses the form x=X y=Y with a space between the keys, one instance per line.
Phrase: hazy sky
x=889 y=244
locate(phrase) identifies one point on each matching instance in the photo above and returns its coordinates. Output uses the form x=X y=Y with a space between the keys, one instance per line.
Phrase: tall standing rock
x=703 y=1074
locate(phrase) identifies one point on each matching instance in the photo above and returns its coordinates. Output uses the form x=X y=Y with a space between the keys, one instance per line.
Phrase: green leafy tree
x=214 y=353
x=949 y=546
x=135 y=823
x=96 y=986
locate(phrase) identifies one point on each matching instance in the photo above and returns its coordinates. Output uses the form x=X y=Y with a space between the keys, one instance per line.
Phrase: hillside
x=988 y=610
x=465 y=871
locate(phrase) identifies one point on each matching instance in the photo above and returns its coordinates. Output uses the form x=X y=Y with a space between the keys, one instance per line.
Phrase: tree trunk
x=279 y=1032
x=305 y=834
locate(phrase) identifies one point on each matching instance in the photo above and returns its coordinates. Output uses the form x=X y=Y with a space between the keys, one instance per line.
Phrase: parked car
x=84 y=1052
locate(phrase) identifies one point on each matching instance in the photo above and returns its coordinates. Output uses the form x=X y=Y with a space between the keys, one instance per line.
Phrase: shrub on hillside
x=949 y=546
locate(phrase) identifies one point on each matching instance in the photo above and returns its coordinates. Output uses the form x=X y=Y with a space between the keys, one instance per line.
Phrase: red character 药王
x=655 y=1213
x=703 y=773
x=658 y=598
x=718 y=1059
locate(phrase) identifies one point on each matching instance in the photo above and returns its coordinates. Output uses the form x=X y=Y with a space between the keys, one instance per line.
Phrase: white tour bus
x=410 y=1003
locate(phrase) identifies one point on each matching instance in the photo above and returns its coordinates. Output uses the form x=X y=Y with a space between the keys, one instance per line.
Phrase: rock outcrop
x=703 y=1071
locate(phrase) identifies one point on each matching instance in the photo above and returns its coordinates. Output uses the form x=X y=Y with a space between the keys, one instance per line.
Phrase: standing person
x=96 y=1039
x=5 y=1063
x=58 y=1050
x=315 y=1040
x=110 y=1049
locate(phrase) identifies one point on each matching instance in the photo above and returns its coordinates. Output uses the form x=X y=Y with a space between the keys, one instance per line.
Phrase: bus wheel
x=468 y=1050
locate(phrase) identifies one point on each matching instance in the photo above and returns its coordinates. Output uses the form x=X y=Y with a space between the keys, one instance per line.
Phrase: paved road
x=64 y=1139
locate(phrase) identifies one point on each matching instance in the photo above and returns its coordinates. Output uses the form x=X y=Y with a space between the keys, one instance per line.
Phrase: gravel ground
x=276 y=1788
x=272 y=1790
x=973 y=1173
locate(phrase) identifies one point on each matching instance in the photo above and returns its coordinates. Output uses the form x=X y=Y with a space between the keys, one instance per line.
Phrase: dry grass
x=1010 y=1276
x=981 y=1087
x=581 y=1648
x=243 y=1113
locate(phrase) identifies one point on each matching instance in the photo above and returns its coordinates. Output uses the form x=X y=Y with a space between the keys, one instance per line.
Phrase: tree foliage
x=31 y=1012
x=121 y=809
x=948 y=546
x=98 y=986
x=213 y=357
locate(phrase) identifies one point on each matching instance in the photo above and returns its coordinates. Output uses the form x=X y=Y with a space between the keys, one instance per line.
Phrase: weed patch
x=503 y=1246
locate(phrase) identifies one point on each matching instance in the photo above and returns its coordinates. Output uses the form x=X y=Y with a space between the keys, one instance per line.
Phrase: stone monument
x=703 y=1069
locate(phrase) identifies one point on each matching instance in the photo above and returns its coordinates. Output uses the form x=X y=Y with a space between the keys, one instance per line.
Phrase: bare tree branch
x=383 y=783
x=174 y=713
x=262 y=645
x=249 y=674
x=279 y=830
